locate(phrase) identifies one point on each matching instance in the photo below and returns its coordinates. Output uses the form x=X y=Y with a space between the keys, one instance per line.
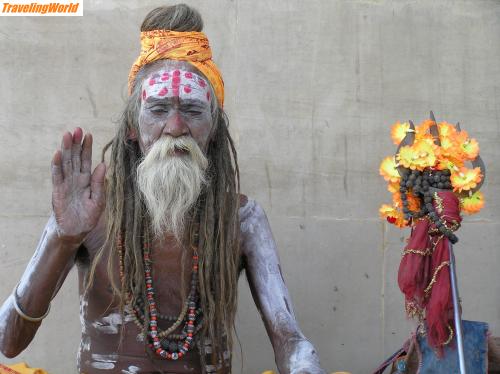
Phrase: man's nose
x=176 y=126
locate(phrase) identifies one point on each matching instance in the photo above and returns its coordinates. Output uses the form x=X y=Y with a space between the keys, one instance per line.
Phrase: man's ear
x=132 y=135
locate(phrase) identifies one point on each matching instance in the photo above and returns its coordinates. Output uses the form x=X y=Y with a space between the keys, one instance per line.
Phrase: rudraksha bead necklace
x=164 y=343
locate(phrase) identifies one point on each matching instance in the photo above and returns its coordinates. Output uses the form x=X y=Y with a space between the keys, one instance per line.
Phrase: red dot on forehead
x=152 y=81
x=189 y=75
x=163 y=91
x=165 y=77
x=187 y=89
x=176 y=80
x=177 y=73
x=202 y=82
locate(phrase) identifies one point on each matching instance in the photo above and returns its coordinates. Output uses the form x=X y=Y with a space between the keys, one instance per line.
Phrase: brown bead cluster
x=422 y=184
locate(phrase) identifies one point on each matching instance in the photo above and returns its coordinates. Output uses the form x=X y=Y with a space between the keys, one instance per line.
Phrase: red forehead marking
x=163 y=91
x=202 y=83
x=189 y=75
x=176 y=80
x=165 y=77
x=152 y=81
x=143 y=94
x=176 y=73
x=187 y=89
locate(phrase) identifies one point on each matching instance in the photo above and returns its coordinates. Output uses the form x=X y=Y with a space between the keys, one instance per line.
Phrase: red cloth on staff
x=424 y=274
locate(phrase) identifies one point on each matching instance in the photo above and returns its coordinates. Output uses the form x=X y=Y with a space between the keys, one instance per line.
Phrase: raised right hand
x=77 y=195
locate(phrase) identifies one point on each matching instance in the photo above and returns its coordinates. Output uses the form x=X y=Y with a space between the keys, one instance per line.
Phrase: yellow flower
x=466 y=179
x=446 y=130
x=398 y=132
x=388 y=170
x=392 y=215
x=472 y=204
x=470 y=148
x=418 y=156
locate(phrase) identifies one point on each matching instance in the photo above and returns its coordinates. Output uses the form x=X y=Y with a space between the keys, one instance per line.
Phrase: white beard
x=171 y=184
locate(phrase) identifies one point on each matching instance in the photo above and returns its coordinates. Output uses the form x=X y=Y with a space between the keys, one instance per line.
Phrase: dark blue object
x=475 y=350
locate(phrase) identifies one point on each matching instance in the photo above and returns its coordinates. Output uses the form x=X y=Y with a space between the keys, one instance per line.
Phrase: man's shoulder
x=251 y=213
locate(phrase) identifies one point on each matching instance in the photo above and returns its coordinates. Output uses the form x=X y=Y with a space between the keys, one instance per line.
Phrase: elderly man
x=160 y=234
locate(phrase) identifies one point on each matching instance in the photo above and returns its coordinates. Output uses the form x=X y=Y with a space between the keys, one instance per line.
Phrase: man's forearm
x=47 y=269
x=297 y=356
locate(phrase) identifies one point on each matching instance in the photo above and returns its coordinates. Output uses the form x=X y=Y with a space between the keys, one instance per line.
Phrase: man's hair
x=214 y=218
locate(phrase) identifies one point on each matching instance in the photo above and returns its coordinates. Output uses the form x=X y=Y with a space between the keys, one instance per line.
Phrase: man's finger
x=56 y=170
x=67 y=165
x=87 y=154
x=76 y=149
x=97 y=184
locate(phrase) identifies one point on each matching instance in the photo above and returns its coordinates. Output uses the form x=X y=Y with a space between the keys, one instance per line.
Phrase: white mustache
x=166 y=146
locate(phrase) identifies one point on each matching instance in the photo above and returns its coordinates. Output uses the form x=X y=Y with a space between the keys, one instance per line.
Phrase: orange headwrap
x=188 y=46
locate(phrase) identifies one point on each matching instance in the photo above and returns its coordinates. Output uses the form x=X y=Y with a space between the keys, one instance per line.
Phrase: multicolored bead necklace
x=164 y=343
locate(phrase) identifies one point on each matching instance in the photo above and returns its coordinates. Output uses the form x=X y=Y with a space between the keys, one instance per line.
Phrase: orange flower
x=398 y=132
x=393 y=187
x=470 y=148
x=472 y=204
x=466 y=179
x=450 y=152
x=392 y=215
x=418 y=156
x=423 y=128
x=413 y=201
x=396 y=200
x=446 y=130
x=388 y=170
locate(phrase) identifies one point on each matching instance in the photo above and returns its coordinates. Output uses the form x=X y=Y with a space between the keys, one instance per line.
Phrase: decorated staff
x=434 y=176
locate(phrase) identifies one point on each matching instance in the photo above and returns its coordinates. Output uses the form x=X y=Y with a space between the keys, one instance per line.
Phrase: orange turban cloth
x=190 y=46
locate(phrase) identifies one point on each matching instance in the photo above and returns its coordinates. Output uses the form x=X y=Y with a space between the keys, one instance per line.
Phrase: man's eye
x=158 y=109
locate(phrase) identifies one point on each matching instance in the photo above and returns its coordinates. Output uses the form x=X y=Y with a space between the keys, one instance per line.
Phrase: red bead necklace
x=153 y=333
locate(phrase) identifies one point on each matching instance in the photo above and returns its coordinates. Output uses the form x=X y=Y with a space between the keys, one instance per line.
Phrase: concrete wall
x=312 y=87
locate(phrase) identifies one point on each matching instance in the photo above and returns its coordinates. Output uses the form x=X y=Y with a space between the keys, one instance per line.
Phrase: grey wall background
x=312 y=88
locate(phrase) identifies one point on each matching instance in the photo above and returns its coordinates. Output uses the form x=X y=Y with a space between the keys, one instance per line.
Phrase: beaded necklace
x=164 y=343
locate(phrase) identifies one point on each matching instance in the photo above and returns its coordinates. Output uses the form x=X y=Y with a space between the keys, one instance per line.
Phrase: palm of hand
x=77 y=195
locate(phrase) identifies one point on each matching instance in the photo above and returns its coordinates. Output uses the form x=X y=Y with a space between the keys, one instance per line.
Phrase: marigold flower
x=398 y=131
x=472 y=204
x=392 y=215
x=423 y=128
x=418 y=156
x=388 y=169
x=413 y=201
x=450 y=152
x=393 y=187
x=470 y=148
x=446 y=130
x=466 y=179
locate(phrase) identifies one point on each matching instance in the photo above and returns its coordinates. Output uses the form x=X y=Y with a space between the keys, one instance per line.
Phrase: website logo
x=42 y=8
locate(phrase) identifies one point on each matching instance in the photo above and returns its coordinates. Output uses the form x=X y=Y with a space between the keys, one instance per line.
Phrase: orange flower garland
x=455 y=149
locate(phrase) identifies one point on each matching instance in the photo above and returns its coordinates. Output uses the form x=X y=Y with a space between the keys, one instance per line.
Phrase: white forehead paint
x=176 y=83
